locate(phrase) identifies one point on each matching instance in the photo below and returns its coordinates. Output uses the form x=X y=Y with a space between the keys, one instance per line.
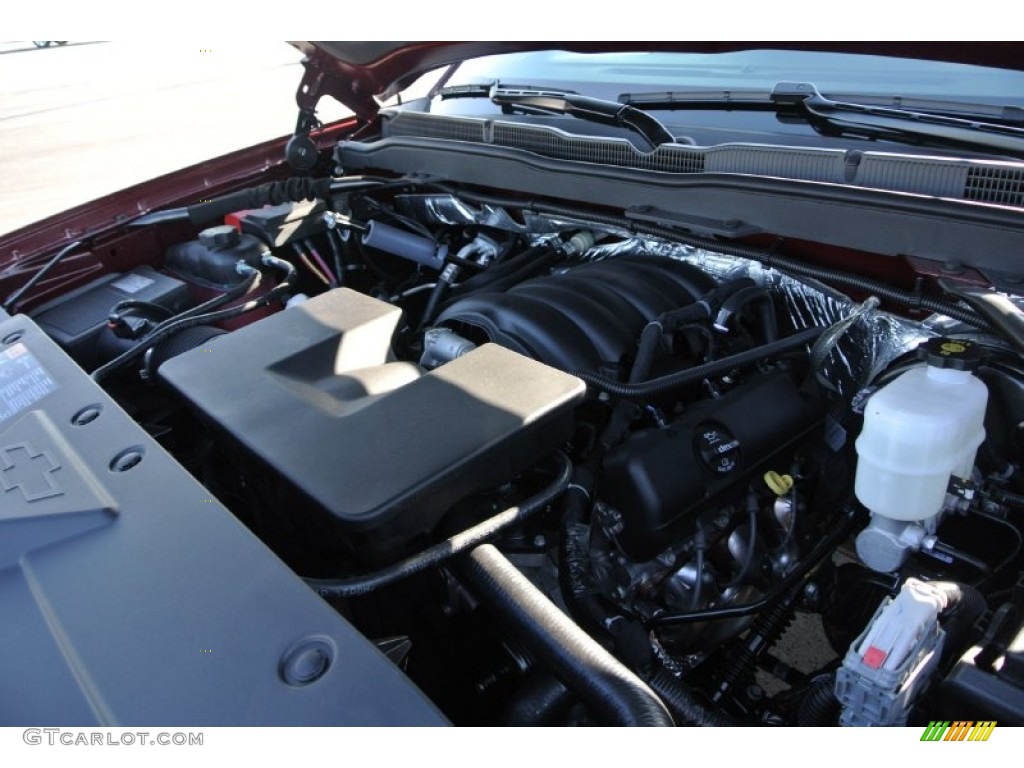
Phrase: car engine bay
x=565 y=468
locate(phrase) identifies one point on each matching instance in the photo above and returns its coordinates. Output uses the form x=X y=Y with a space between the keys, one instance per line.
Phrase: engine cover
x=659 y=478
x=380 y=449
x=586 y=319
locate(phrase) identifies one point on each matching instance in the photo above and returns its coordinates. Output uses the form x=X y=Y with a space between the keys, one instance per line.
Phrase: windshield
x=757 y=97
x=608 y=75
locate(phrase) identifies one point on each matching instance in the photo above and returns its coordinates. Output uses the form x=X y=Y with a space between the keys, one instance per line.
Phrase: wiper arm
x=760 y=99
x=986 y=126
x=896 y=123
x=572 y=104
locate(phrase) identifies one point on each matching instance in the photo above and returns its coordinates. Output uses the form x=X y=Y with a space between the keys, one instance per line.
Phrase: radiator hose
x=615 y=695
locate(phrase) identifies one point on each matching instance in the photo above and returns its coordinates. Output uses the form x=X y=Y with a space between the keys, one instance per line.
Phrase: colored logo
x=958 y=730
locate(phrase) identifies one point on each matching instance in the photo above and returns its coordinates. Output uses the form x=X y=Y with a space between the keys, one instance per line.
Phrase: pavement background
x=89 y=118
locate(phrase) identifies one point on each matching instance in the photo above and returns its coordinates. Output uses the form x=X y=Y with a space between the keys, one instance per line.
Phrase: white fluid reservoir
x=919 y=430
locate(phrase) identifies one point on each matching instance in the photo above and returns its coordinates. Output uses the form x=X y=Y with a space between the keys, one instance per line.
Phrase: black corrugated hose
x=614 y=694
x=1009 y=498
x=683 y=704
x=819 y=707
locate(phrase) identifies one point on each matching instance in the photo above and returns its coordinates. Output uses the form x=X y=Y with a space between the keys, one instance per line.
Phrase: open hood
x=356 y=72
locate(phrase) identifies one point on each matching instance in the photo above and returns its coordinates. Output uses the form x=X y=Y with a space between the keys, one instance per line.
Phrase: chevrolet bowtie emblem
x=30 y=471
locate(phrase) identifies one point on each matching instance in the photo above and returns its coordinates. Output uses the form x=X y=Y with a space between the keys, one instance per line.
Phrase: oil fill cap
x=954 y=354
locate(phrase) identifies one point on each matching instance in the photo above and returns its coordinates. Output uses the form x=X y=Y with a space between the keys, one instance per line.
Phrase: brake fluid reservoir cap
x=951 y=354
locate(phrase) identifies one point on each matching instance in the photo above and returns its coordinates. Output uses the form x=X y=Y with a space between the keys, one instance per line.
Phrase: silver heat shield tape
x=845 y=362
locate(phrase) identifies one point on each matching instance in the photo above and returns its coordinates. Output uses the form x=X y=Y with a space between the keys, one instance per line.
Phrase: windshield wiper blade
x=483 y=90
x=569 y=103
x=760 y=99
x=926 y=121
x=898 y=123
x=746 y=99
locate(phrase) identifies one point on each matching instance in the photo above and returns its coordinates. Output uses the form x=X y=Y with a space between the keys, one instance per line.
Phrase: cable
x=802 y=571
x=39 y=275
x=164 y=330
x=339 y=264
x=333 y=281
x=748 y=556
x=948 y=551
x=313 y=268
x=411 y=291
x=1017 y=535
x=187 y=320
x=700 y=545
x=445 y=550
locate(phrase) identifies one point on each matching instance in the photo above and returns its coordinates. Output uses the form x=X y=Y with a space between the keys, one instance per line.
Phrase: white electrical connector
x=891 y=663
x=901 y=625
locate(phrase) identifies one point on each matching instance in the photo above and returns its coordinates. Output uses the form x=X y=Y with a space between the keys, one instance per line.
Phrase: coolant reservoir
x=919 y=430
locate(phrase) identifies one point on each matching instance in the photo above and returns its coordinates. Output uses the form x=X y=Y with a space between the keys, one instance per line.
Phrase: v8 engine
x=566 y=469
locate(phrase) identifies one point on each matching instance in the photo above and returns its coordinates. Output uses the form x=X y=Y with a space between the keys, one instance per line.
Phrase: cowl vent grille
x=997 y=183
x=993 y=184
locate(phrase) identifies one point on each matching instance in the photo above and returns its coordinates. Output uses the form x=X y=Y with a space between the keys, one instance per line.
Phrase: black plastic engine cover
x=586 y=319
x=382 y=451
x=659 y=478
